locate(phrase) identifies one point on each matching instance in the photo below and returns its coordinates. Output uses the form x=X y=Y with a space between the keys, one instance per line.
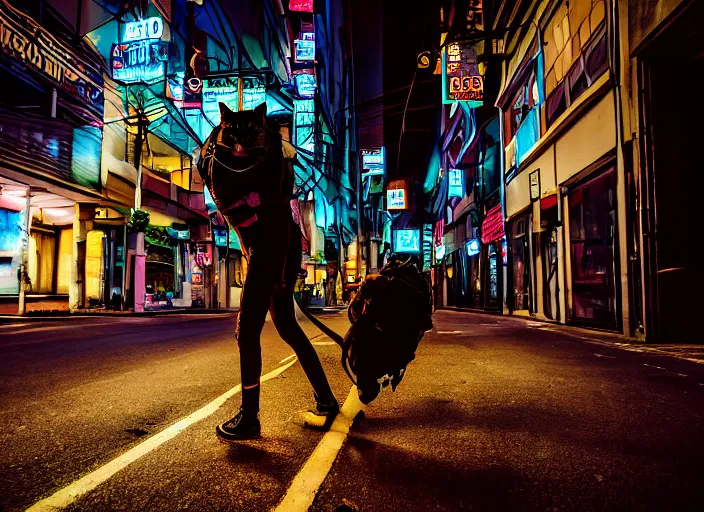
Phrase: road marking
x=14 y=326
x=324 y=343
x=64 y=497
x=449 y=332
x=666 y=370
x=285 y=359
x=602 y=355
x=301 y=493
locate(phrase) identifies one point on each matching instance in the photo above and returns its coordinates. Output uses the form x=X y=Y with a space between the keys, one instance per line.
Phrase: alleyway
x=494 y=414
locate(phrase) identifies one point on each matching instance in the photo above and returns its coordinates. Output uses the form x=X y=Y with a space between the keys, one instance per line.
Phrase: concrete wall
x=590 y=138
x=644 y=16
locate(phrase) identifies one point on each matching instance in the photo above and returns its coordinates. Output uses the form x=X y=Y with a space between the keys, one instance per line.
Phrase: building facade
x=104 y=143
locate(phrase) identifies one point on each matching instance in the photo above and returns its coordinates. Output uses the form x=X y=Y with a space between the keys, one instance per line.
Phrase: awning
x=493 y=225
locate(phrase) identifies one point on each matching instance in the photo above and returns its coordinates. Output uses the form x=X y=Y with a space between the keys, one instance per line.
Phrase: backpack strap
x=320 y=325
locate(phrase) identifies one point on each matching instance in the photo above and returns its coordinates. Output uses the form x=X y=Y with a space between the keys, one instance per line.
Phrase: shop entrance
x=520 y=260
x=672 y=80
x=592 y=218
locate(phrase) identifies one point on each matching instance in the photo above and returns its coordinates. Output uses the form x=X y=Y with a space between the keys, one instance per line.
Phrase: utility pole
x=355 y=137
x=140 y=263
x=24 y=258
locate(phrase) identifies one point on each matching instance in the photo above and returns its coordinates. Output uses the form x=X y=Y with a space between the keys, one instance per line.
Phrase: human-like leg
x=256 y=297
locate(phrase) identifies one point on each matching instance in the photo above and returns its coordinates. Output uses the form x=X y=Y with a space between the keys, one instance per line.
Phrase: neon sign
x=193 y=93
x=473 y=247
x=151 y=28
x=461 y=80
x=305 y=47
x=407 y=241
x=396 y=199
x=456 y=183
x=301 y=5
x=140 y=61
x=373 y=160
x=440 y=251
x=305 y=85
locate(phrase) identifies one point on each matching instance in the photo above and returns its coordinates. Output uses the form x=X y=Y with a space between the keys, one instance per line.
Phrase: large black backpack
x=390 y=313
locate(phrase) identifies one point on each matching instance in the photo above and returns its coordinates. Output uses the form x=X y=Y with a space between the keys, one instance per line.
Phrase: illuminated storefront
x=50 y=147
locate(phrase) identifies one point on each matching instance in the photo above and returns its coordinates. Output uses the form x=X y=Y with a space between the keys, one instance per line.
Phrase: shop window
x=592 y=213
x=521 y=263
x=522 y=118
x=575 y=53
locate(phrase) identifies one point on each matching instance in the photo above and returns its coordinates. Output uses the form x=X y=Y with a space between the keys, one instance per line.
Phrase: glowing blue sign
x=373 y=160
x=440 y=251
x=473 y=247
x=305 y=47
x=396 y=199
x=152 y=28
x=407 y=241
x=456 y=183
x=305 y=85
x=139 y=61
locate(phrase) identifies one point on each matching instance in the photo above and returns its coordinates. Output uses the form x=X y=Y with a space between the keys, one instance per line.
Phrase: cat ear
x=225 y=111
x=260 y=112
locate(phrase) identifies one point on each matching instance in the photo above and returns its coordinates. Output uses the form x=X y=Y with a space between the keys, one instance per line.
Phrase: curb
x=580 y=328
x=65 y=315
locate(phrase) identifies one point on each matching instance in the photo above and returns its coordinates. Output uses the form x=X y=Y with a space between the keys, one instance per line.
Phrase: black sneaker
x=322 y=416
x=240 y=428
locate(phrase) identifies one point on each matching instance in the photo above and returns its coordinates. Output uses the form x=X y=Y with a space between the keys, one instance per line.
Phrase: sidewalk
x=689 y=351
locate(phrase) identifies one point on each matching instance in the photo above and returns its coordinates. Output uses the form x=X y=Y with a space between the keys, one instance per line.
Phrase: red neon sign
x=301 y=5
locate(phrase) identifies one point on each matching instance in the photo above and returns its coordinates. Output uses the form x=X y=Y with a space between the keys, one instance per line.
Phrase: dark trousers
x=273 y=249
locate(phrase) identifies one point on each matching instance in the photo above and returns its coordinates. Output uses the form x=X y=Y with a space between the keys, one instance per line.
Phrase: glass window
x=592 y=211
x=521 y=264
x=575 y=52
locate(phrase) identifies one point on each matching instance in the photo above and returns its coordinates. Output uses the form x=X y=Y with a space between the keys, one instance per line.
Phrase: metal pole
x=227 y=268
x=54 y=99
x=355 y=138
x=140 y=256
x=24 y=263
x=124 y=268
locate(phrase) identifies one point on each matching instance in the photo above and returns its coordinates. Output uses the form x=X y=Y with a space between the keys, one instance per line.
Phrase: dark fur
x=261 y=141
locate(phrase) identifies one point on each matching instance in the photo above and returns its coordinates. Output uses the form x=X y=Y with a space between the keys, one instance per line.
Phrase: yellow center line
x=301 y=493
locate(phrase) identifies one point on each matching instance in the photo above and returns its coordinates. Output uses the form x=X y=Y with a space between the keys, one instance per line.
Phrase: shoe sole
x=229 y=440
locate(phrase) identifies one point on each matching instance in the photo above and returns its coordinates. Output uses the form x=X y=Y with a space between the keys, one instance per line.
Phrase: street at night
x=494 y=414
x=351 y=255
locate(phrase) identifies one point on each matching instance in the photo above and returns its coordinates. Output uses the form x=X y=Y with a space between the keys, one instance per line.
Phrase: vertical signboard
x=461 y=80
x=141 y=56
x=427 y=246
x=305 y=47
x=455 y=178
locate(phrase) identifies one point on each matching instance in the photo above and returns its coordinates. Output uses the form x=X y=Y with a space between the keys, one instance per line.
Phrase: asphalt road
x=494 y=414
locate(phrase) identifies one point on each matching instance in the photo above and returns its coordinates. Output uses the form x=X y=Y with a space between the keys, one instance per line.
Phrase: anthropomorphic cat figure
x=243 y=165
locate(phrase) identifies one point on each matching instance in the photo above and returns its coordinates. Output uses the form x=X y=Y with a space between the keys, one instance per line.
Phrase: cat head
x=245 y=133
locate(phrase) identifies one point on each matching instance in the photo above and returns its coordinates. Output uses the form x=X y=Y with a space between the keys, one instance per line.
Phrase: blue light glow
x=473 y=247
x=456 y=183
x=407 y=241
